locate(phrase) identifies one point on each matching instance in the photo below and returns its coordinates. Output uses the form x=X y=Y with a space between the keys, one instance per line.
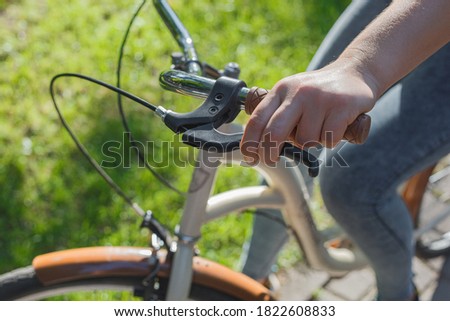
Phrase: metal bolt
x=218 y=97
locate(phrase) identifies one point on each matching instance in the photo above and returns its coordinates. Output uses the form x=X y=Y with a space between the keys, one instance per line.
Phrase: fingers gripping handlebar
x=224 y=98
x=356 y=132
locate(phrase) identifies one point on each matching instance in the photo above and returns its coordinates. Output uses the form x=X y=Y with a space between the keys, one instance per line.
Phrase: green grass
x=50 y=197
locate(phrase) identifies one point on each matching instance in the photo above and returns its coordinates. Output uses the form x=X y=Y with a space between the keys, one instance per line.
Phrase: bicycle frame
x=152 y=273
x=285 y=191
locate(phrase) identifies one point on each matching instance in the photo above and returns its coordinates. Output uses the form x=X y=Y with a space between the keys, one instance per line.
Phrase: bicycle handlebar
x=356 y=132
x=200 y=128
x=197 y=86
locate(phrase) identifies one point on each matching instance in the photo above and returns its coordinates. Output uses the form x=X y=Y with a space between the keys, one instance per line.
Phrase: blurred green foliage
x=50 y=197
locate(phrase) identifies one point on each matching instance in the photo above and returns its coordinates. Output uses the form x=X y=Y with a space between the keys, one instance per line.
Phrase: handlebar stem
x=181 y=35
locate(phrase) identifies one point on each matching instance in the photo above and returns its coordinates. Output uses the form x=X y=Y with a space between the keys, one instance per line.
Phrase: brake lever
x=220 y=107
x=199 y=128
x=207 y=137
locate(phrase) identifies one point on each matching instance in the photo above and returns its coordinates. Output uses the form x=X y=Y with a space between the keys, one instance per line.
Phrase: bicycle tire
x=23 y=284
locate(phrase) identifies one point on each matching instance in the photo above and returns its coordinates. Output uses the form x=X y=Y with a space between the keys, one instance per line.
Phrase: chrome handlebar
x=192 y=85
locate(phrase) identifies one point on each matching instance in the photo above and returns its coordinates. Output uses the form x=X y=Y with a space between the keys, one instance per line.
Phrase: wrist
x=353 y=61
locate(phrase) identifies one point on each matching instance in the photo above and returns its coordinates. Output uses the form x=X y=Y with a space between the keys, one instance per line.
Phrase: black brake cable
x=127 y=128
x=120 y=93
x=121 y=110
x=83 y=149
x=130 y=96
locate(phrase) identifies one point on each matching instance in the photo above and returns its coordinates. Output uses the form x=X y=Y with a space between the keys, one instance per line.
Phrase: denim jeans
x=410 y=131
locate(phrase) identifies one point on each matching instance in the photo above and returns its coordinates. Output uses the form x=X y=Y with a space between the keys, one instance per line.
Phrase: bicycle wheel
x=121 y=273
x=23 y=284
x=428 y=198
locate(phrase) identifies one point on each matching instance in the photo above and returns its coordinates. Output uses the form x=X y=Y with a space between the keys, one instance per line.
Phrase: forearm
x=398 y=40
x=305 y=108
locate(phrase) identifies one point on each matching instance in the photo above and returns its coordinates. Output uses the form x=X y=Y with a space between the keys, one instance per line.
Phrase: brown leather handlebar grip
x=356 y=132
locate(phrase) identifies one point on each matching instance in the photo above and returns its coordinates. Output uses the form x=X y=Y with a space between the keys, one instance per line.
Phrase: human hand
x=308 y=109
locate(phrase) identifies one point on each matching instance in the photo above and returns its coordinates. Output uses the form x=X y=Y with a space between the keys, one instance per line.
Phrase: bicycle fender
x=110 y=261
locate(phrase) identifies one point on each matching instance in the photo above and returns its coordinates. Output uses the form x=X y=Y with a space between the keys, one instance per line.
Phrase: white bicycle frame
x=286 y=189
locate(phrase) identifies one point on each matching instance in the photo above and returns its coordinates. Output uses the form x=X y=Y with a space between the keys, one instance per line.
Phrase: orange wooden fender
x=90 y=262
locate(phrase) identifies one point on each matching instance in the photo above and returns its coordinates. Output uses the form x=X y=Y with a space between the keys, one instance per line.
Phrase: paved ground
x=302 y=283
x=432 y=277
